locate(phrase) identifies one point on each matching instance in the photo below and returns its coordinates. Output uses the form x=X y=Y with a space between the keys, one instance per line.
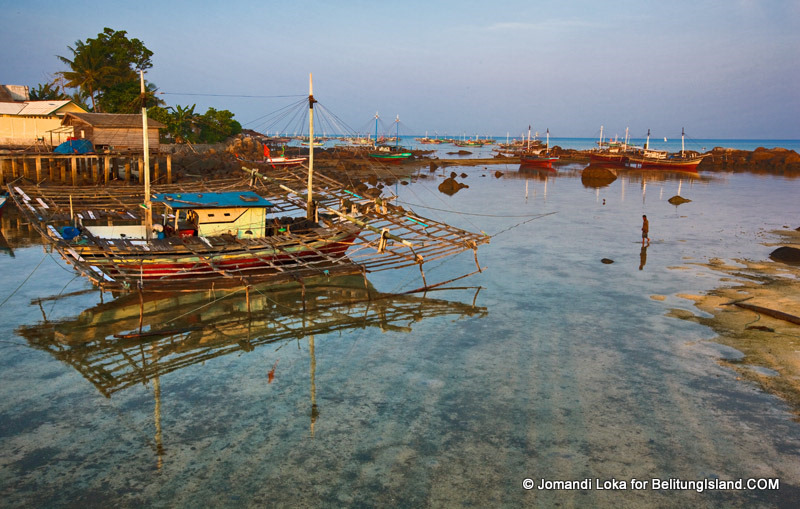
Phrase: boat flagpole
x=148 y=214
x=310 y=202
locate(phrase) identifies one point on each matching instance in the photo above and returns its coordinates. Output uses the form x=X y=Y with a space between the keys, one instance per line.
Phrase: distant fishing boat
x=273 y=161
x=395 y=157
x=387 y=153
x=536 y=158
x=610 y=153
x=663 y=160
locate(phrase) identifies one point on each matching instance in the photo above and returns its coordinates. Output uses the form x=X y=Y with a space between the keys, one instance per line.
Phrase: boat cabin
x=236 y=213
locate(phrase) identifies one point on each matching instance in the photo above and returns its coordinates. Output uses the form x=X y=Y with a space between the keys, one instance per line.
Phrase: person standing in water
x=645 y=230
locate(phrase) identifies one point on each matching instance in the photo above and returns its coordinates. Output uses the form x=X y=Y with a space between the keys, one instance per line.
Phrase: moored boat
x=231 y=232
x=539 y=158
x=663 y=160
x=610 y=152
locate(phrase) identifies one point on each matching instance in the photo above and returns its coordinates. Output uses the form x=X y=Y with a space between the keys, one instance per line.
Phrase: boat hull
x=676 y=164
x=152 y=267
x=608 y=158
x=392 y=158
x=538 y=161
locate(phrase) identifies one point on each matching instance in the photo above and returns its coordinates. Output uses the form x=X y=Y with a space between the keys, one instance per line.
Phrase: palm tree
x=89 y=70
x=183 y=123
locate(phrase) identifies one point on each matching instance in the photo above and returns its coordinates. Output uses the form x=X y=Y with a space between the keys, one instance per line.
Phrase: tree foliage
x=105 y=70
x=184 y=125
x=102 y=76
x=47 y=92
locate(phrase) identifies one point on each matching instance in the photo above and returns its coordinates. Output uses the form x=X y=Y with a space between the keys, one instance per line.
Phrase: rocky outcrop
x=786 y=254
x=760 y=160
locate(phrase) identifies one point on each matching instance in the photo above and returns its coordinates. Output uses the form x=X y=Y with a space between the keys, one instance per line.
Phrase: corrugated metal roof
x=11 y=108
x=221 y=199
x=32 y=108
x=42 y=107
x=110 y=120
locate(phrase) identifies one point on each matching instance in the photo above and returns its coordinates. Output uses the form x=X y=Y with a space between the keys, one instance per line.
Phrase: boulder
x=677 y=200
x=786 y=254
x=449 y=186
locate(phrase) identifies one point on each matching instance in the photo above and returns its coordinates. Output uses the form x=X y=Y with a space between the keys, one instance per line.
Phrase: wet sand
x=770 y=345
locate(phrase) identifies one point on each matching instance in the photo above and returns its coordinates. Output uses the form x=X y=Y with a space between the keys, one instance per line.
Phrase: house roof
x=9 y=108
x=109 y=120
x=32 y=108
x=213 y=200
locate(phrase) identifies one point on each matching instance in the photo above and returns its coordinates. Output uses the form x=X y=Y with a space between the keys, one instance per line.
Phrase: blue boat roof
x=214 y=199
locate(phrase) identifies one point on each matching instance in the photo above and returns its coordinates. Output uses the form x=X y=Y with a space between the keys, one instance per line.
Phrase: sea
x=669 y=144
x=547 y=378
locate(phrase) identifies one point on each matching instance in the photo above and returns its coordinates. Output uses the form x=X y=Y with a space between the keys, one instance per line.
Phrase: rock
x=449 y=186
x=597 y=176
x=498 y=174
x=607 y=261
x=786 y=254
x=677 y=200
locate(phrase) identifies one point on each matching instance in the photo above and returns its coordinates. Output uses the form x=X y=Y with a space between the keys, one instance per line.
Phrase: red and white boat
x=611 y=152
x=662 y=160
x=537 y=158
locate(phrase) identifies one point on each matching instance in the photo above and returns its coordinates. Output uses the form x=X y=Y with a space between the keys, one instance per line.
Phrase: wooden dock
x=80 y=169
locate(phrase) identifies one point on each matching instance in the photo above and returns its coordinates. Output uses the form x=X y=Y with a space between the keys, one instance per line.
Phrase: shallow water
x=560 y=367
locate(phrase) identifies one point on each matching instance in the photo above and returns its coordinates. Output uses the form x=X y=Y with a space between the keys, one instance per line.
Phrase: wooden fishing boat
x=219 y=234
x=233 y=231
x=388 y=153
x=538 y=158
x=610 y=153
x=3 y=200
x=391 y=157
x=648 y=159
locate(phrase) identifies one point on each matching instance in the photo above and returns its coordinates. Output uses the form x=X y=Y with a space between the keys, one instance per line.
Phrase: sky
x=726 y=69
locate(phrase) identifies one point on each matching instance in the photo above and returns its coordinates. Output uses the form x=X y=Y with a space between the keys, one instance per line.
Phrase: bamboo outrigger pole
x=148 y=214
x=310 y=215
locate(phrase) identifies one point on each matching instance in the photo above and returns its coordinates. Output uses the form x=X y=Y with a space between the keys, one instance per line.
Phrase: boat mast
x=625 y=147
x=397 y=134
x=547 y=150
x=601 y=137
x=375 y=143
x=529 y=136
x=647 y=143
x=682 y=145
x=310 y=202
x=148 y=214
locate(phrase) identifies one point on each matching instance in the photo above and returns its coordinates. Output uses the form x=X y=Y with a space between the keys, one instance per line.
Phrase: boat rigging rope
x=468 y=213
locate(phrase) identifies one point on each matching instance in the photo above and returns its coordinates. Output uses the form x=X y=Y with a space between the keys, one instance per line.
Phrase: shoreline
x=768 y=344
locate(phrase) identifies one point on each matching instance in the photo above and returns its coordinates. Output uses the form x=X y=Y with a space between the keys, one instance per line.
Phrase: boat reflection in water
x=138 y=338
x=178 y=330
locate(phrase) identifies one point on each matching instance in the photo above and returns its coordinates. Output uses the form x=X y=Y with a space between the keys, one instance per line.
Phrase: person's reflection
x=643 y=256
